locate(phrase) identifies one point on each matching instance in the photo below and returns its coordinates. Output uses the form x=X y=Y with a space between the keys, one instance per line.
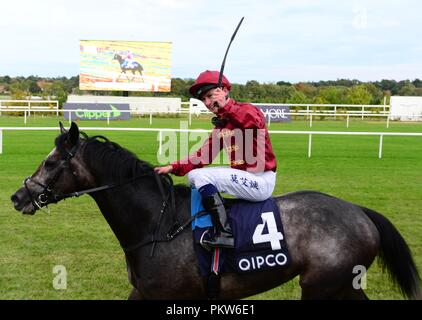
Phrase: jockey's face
x=217 y=95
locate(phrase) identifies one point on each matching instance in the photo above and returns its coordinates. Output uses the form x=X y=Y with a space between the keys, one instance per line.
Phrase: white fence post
x=380 y=149
x=347 y=121
x=310 y=146
x=24 y=117
x=160 y=138
x=388 y=121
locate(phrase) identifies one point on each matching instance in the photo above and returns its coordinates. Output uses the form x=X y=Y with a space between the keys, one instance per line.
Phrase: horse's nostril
x=14 y=198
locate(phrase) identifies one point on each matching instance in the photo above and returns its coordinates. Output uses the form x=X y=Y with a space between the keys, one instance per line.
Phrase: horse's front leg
x=135 y=295
x=127 y=77
x=118 y=78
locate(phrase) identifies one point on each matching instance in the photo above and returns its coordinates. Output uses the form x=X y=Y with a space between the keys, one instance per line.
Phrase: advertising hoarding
x=406 y=108
x=275 y=113
x=96 y=111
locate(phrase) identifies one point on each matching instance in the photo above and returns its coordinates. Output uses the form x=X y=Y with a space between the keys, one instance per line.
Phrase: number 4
x=273 y=236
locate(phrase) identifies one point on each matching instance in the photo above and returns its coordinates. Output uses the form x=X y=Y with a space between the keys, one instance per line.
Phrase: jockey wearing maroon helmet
x=242 y=132
x=207 y=80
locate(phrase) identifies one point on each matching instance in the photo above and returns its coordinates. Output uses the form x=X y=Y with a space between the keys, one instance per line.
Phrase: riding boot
x=224 y=237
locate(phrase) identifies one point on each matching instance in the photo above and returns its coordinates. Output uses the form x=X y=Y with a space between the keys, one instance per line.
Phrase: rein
x=171 y=234
x=47 y=196
x=167 y=197
x=59 y=197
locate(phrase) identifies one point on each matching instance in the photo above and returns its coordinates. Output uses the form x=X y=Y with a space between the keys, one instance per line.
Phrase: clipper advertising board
x=96 y=111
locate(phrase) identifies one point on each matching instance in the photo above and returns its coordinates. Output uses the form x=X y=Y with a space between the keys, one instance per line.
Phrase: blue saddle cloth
x=258 y=232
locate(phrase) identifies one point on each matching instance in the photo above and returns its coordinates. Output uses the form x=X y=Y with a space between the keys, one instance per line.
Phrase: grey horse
x=326 y=236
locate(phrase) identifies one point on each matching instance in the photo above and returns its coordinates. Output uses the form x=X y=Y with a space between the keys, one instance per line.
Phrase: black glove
x=219 y=123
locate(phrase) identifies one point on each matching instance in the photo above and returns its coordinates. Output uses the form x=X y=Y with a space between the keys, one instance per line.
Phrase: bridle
x=47 y=196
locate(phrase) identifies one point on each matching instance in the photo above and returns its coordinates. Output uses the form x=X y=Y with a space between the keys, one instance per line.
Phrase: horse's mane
x=112 y=160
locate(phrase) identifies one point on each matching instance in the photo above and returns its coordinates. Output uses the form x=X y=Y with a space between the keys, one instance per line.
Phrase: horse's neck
x=131 y=212
x=133 y=215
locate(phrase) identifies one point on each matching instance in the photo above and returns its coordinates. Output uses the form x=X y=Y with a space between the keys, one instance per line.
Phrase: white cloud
x=43 y=36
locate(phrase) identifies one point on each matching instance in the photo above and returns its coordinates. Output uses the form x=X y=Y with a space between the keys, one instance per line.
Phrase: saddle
x=258 y=235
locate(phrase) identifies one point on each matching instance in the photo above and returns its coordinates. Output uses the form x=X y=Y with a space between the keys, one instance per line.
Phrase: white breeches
x=239 y=183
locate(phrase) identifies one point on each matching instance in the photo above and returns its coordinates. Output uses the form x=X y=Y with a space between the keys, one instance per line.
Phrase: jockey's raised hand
x=215 y=99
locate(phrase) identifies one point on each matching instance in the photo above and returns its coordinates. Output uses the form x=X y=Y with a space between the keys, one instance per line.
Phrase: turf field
x=76 y=235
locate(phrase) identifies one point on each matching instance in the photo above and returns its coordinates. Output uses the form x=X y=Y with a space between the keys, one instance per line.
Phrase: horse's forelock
x=60 y=141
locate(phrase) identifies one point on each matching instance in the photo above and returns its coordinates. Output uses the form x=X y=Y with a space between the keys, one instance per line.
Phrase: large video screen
x=125 y=65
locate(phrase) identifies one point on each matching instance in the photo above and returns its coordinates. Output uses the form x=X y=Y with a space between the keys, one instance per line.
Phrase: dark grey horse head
x=61 y=172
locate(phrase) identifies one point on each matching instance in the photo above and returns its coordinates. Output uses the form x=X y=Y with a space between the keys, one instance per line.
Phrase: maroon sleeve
x=202 y=157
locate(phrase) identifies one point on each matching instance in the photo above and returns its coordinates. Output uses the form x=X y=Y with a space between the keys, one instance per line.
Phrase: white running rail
x=161 y=130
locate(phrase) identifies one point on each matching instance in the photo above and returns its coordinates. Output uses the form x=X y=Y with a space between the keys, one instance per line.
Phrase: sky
x=279 y=40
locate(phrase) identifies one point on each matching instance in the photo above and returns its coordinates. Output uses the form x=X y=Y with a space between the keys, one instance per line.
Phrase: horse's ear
x=73 y=133
x=62 y=129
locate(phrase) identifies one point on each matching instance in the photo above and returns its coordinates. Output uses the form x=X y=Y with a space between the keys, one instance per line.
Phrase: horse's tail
x=396 y=257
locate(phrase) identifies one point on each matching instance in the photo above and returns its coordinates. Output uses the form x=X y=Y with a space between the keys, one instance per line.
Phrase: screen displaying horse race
x=125 y=65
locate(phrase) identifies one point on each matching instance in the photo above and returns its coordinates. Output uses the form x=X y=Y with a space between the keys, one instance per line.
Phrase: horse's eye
x=49 y=164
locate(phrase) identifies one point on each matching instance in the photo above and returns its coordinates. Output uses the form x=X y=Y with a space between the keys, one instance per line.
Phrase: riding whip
x=225 y=56
x=215 y=120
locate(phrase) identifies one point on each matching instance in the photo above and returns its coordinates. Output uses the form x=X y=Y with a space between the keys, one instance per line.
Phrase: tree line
x=341 y=91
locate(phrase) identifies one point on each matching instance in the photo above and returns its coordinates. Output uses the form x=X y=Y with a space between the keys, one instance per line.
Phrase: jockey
x=240 y=129
x=128 y=60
